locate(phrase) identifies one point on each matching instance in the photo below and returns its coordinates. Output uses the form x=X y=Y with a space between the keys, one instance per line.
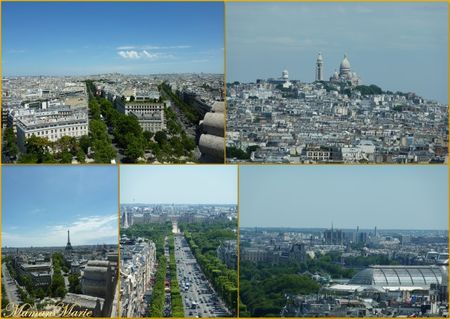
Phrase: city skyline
x=138 y=45
x=178 y=185
x=376 y=37
x=316 y=197
x=81 y=199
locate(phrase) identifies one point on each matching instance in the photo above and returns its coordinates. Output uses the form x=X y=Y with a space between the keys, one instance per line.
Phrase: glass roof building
x=401 y=276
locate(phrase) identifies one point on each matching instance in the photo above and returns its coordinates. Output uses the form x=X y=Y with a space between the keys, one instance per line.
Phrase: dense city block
x=44 y=278
x=343 y=272
x=113 y=118
x=335 y=120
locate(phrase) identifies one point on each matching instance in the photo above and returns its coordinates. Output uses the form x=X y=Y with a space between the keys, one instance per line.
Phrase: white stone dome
x=345 y=64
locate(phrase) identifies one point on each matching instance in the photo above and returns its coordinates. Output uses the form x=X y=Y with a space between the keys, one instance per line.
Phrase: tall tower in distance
x=68 y=250
x=319 y=67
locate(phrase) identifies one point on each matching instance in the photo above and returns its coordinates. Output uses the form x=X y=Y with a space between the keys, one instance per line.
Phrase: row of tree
x=64 y=150
x=99 y=139
x=127 y=132
x=188 y=110
x=173 y=144
x=176 y=300
x=57 y=287
x=166 y=146
x=158 y=294
x=5 y=301
x=204 y=239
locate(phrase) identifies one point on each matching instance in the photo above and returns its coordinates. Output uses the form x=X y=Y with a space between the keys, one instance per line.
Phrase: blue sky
x=178 y=184
x=40 y=203
x=398 y=46
x=133 y=38
x=389 y=197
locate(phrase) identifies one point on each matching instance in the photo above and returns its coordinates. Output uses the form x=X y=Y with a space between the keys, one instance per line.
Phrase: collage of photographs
x=224 y=158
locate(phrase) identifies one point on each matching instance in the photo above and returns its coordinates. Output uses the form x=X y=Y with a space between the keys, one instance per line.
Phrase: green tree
x=135 y=148
x=10 y=143
x=28 y=159
x=263 y=287
x=104 y=152
x=39 y=148
x=148 y=135
x=369 y=90
x=98 y=130
x=161 y=137
x=60 y=292
x=85 y=143
x=40 y=293
x=233 y=152
x=67 y=144
x=74 y=284
x=94 y=109
x=203 y=239
x=66 y=157
x=189 y=143
x=158 y=296
x=126 y=127
x=81 y=157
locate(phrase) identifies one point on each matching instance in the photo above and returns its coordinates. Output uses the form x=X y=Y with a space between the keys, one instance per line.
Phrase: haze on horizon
x=179 y=204
x=53 y=246
x=178 y=184
x=342 y=228
x=389 y=197
x=126 y=74
x=397 y=46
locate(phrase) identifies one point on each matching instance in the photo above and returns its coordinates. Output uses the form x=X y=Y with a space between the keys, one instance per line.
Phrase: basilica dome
x=345 y=65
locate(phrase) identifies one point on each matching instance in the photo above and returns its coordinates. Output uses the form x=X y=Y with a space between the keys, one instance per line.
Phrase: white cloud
x=144 y=54
x=126 y=47
x=131 y=54
x=83 y=231
x=148 y=55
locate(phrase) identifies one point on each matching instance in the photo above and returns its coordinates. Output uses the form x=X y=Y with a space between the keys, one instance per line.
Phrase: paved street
x=10 y=286
x=167 y=296
x=199 y=298
x=187 y=126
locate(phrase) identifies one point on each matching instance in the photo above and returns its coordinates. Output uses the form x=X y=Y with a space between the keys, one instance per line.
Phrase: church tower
x=319 y=68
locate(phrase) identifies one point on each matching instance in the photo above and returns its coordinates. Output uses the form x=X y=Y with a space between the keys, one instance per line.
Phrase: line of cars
x=199 y=298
